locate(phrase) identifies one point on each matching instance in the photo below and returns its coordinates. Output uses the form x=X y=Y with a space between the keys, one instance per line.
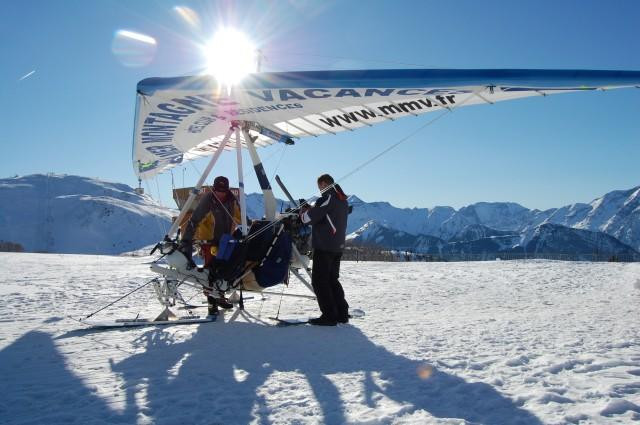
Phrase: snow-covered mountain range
x=547 y=238
x=501 y=225
x=71 y=214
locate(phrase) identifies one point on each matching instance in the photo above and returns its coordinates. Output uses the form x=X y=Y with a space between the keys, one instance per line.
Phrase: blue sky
x=74 y=114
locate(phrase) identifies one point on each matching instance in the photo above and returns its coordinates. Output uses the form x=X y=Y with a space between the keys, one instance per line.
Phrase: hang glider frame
x=167 y=289
x=235 y=129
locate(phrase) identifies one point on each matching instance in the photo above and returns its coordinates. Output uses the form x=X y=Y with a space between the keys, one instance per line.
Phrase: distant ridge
x=616 y=214
x=546 y=239
x=73 y=214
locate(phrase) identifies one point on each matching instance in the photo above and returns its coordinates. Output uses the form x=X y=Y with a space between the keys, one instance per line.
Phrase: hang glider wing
x=184 y=118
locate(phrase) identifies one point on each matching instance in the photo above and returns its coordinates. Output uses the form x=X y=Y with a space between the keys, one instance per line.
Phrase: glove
x=304 y=208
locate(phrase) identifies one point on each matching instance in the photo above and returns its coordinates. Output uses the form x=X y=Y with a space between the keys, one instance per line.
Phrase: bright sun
x=230 y=56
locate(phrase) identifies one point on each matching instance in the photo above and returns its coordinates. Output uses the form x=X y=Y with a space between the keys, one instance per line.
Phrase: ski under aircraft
x=185 y=118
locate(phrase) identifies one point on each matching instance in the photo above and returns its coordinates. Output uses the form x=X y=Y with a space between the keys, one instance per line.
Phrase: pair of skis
x=131 y=323
x=355 y=313
x=193 y=320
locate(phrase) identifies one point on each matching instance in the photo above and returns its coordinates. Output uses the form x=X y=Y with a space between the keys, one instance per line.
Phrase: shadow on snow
x=36 y=386
x=217 y=376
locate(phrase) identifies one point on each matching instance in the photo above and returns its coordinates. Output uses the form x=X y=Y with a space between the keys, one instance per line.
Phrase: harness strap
x=273 y=243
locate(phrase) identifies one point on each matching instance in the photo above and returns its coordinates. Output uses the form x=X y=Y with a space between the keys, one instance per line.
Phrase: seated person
x=220 y=208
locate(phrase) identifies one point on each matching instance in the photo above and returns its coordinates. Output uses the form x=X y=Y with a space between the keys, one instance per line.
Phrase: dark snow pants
x=324 y=279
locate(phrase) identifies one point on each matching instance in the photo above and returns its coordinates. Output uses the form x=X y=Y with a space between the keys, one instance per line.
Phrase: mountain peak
x=353 y=200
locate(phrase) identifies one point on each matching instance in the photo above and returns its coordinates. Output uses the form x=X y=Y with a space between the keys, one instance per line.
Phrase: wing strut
x=196 y=189
x=243 y=201
x=263 y=180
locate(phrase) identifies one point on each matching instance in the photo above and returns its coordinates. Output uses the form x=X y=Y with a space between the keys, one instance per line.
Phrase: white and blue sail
x=185 y=118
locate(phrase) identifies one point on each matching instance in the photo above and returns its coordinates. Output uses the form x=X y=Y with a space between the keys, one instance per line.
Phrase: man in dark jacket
x=328 y=218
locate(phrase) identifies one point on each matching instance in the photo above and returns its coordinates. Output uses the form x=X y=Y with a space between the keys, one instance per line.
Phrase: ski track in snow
x=504 y=342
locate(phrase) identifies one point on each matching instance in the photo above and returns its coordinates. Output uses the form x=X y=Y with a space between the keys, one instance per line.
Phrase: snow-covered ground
x=479 y=343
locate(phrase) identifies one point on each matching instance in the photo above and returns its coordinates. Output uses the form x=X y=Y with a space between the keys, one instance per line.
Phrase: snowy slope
x=490 y=246
x=563 y=240
x=504 y=342
x=373 y=233
x=474 y=232
x=617 y=213
x=409 y=220
x=71 y=214
x=496 y=215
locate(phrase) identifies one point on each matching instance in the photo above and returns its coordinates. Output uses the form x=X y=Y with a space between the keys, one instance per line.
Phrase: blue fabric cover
x=276 y=266
x=226 y=247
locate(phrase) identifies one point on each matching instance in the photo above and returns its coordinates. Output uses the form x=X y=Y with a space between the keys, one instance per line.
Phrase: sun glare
x=230 y=56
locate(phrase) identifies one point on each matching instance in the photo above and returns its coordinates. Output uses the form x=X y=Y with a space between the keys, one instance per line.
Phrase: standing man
x=328 y=218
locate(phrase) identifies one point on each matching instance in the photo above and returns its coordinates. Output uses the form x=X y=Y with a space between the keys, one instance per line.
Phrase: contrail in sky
x=28 y=75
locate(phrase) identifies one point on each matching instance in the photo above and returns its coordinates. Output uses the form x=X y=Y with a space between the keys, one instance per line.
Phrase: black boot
x=322 y=321
x=223 y=303
x=212 y=306
x=343 y=319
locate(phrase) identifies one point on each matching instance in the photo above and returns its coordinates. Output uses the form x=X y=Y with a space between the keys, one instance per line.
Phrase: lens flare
x=188 y=15
x=133 y=49
x=230 y=56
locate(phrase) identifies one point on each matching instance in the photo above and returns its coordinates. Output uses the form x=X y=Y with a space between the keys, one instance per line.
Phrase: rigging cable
x=195 y=168
x=369 y=161
x=279 y=303
x=158 y=189
x=161 y=228
x=264 y=161
x=119 y=299
x=284 y=150
x=164 y=227
x=399 y=142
